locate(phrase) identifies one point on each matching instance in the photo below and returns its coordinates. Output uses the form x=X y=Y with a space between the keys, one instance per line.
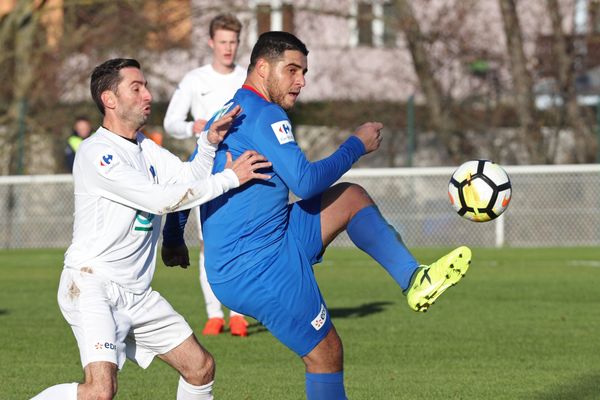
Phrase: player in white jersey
x=123 y=183
x=202 y=92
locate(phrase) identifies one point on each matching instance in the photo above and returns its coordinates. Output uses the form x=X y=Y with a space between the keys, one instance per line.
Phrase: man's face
x=133 y=98
x=224 y=44
x=285 y=78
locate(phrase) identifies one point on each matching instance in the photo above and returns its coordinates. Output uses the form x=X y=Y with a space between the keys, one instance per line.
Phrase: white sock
x=65 y=391
x=186 y=391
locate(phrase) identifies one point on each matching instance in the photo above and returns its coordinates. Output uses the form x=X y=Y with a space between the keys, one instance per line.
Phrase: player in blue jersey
x=260 y=250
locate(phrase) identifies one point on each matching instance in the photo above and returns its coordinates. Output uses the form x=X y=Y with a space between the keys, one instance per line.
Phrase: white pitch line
x=584 y=263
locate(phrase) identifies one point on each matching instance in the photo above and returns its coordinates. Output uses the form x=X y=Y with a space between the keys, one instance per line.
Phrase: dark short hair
x=272 y=45
x=226 y=22
x=106 y=76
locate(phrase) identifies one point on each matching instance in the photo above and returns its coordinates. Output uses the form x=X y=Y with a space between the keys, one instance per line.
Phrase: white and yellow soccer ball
x=480 y=190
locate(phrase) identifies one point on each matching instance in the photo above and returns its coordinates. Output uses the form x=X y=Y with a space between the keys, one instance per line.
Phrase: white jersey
x=121 y=189
x=202 y=91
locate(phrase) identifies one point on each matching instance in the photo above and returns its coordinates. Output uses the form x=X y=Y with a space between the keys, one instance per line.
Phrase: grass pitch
x=524 y=324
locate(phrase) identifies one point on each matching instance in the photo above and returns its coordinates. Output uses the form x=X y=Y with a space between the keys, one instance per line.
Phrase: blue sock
x=325 y=386
x=371 y=233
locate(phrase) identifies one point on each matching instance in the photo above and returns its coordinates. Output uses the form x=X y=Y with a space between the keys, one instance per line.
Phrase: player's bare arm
x=246 y=165
x=370 y=134
x=219 y=128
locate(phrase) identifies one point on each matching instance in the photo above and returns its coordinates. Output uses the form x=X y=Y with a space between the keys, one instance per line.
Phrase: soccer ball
x=479 y=190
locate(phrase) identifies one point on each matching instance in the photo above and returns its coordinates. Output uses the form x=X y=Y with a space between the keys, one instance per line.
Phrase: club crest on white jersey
x=320 y=319
x=283 y=131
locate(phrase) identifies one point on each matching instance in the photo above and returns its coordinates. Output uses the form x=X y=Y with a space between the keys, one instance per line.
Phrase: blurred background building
x=514 y=81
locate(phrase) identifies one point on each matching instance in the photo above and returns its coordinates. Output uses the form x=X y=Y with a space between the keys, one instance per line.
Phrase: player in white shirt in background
x=123 y=183
x=202 y=92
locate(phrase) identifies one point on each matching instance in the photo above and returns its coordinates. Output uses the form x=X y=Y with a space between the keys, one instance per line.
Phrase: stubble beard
x=135 y=119
x=276 y=95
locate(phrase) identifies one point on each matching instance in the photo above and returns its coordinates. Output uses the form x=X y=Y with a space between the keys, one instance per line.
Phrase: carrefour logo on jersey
x=106 y=163
x=283 y=131
x=106 y=160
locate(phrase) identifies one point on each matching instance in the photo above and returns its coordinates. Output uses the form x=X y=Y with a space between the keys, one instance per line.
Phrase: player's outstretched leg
x=371 y=233
x=349 y=206
x=430 y=281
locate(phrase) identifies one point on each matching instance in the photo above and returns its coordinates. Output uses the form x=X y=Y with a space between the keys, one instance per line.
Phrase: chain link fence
x=551 y=206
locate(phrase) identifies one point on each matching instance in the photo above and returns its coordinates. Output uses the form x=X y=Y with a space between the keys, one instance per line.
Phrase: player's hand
x=245 y=166
x=370 y=134
x=174 y=256
x=218 y=129
x=199 y=125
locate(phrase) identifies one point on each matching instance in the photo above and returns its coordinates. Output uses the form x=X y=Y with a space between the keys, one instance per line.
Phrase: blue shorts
x=284 y=295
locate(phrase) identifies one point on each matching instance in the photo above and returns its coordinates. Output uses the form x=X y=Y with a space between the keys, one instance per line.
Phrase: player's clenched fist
x=173 y=256
x=245 y=166
x=370 y=134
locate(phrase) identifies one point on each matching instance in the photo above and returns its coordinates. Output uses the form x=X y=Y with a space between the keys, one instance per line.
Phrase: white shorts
x=111 y=323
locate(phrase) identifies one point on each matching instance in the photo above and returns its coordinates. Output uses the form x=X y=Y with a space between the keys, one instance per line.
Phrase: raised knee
x=360 y=193
x=355 y=197
x=202 y=372
x=353 y=190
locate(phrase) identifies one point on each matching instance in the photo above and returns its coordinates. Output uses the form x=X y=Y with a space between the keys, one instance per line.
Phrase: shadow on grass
x=363 y=310
x=582 y=388
x=255 y=328
x=3 y=312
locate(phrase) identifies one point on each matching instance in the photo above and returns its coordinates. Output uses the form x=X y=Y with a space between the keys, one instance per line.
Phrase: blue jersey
x=244 y=227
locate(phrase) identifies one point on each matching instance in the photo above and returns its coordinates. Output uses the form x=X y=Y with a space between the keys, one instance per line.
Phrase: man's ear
x=109 y=99
x=263 y=68
x=211 y=43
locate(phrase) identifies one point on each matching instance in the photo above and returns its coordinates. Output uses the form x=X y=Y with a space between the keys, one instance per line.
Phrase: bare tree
x=565 y=75
x=18 y=38
x=531 y=135
x=439 y=106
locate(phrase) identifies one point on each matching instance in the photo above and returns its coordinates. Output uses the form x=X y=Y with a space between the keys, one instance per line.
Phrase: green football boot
x=430 y=281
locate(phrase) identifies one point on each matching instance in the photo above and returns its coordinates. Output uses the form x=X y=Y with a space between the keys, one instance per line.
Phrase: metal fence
x=551 y=206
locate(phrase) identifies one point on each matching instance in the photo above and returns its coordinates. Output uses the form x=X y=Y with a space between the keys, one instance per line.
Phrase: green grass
x=524 y=324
